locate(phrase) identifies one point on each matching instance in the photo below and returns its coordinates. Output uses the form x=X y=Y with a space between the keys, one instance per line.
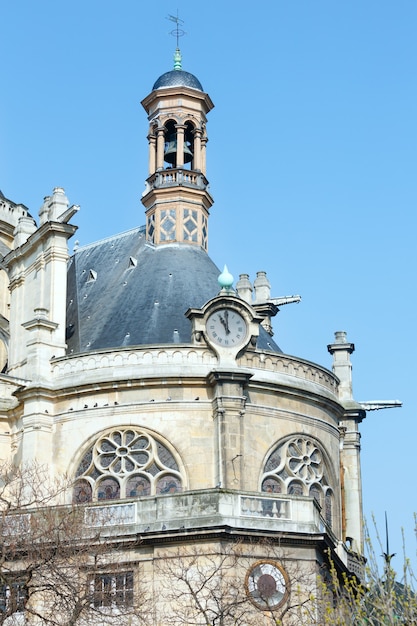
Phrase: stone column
x=351 y=467
x=180 y=145
x=197 y=149
x=17 y=344
x=203 y=154
x=152 y=152
x=160 y=144
x=341 y=350
x=41 y=338
x=228 y=413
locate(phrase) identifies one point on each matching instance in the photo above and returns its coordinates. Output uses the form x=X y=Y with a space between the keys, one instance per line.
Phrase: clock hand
x=223 y=322
x=226 y=317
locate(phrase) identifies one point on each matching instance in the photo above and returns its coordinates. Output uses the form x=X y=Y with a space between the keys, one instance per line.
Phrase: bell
x=170 y=154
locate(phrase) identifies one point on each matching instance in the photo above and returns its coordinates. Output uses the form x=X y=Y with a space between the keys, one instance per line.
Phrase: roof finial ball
x=225 y=281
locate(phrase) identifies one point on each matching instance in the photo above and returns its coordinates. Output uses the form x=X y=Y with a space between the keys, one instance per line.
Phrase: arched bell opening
x=178 y=144
x=189 y=143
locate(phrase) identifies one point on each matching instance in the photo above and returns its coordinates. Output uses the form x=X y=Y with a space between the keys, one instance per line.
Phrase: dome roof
x=178 y=78
x=124 y=292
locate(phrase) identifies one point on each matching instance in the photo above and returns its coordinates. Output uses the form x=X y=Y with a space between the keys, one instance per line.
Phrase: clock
x=267 y=585
x=226 y=327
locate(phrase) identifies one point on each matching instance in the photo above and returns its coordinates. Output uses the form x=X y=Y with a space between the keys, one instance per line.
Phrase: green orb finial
x=225 y=279
x=177 y=60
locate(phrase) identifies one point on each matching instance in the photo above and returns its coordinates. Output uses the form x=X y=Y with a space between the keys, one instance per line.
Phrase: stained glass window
x=126 y=463
x=298 y=468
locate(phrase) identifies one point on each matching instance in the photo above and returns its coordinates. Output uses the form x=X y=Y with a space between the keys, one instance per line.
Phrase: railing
x=124 y=363
x=176 y=177
x=356 y=564
x=190 y=511
x=291 y=366
x=111 y=515
x=265 y=507
x=205 y=508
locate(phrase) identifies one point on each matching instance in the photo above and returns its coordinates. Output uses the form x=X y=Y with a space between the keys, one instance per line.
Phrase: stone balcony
x=176 y=178
x=202 y=511
x=208 y=508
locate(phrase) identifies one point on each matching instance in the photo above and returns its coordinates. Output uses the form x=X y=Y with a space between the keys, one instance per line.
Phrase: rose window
x=296 y=467
x=125 y=464
x=305 y=460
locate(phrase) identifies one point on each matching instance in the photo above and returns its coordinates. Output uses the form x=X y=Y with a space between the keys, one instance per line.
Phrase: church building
x=153 y=379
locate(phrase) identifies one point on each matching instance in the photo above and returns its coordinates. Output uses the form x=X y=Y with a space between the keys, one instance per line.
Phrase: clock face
x=226 y=327
x=267 y=585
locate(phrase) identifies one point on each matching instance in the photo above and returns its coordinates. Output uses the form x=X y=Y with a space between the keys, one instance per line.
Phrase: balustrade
x=174 y=176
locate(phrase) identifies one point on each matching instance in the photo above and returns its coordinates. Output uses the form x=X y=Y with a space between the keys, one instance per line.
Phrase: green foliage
x=380 y=600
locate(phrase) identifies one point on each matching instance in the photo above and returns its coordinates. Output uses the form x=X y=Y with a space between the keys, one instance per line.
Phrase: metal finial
x=387 y=556
x=225 y=279
x=177 y=59
x=177 y=32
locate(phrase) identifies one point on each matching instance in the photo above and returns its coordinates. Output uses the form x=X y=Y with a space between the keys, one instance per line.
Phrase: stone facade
x=183 y=446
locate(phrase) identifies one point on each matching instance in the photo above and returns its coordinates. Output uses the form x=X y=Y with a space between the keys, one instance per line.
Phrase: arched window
x=189 y=149
x=170 y=147
x=297 y=467
x=126 y=463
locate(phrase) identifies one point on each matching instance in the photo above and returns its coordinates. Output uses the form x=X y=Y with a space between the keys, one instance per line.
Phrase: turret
x=176 y=198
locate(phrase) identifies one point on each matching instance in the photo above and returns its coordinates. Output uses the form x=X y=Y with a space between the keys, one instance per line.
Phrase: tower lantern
x=176 y=198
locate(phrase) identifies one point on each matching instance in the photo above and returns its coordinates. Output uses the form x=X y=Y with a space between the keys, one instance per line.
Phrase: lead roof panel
x=123 y=291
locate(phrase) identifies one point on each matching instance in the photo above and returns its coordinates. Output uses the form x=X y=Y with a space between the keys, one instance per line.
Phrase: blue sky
x=312 y=162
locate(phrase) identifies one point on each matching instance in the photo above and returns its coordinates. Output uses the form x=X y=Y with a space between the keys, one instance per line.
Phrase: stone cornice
x=40 y=322
x=236 y=376
x=177 y=90
x=191 y=365
x=54 y=228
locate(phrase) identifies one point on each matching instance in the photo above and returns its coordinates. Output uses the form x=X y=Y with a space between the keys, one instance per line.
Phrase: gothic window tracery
x=190 y=225
x=151 y=228
x=168 y=225
x=204 y=233
x=126 y=463
x=297 y=467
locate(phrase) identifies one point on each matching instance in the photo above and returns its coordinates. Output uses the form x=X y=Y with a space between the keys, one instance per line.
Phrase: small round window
x=267 y=585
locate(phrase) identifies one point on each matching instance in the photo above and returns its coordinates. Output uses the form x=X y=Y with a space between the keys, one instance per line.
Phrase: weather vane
x=177 y=31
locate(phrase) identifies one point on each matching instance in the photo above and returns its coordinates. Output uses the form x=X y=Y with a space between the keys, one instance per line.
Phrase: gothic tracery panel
x=297 y=467
x=126 y=463
x=190 y=225
x=168 y=225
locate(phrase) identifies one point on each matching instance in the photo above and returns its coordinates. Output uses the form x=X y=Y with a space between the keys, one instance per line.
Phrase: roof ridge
x=139 y=229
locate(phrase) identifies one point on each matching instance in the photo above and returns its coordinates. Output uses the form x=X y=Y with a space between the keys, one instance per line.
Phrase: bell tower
x=176 y=198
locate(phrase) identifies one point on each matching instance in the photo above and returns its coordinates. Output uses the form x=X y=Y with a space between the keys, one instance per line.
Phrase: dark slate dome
x=124 y=292
x=178 y=78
